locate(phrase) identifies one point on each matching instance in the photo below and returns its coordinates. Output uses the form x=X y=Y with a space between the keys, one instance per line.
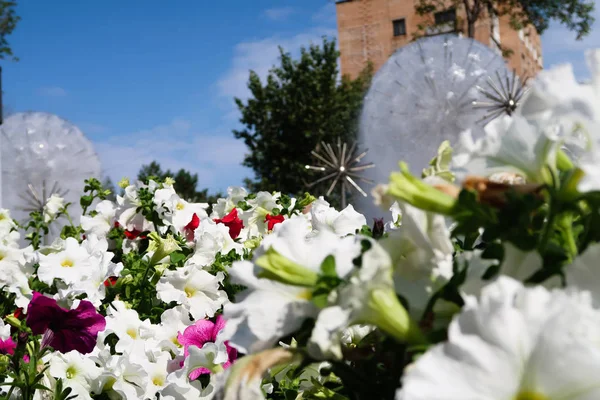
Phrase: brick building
x=374 y=29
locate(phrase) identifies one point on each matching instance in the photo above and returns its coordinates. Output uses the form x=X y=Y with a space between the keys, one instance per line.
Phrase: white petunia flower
x=16 y=267
x=126 y=212
x=157 y=371
x=100 y=224
x=288 y=243
x=77 y=372
x=421 y=253
x=69 y=265
x=177 y=212
x=53 y=205
x=260 y=206
x=212 y=238
x=6 y=227
x=225 y=205
x=197 y=290
x=172 y=322
x=342 y=223
x=124 y=322
x=265 y=312
x=506 y=346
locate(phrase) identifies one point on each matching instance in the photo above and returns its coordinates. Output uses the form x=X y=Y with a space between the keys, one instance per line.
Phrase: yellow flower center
x=71 y=372
x=109 y=384
x=175 y=341
x=67 y=263
x=305 y=295
x=527 y=395
x=2 y=217
x=132 y=333
x=2 y=255
x=158 y=381
x=189 y=292
x=180 y=206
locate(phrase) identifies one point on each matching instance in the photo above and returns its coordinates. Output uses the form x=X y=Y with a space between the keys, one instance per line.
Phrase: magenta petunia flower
x=198 y=335
x=7 y=346
x=65 y=330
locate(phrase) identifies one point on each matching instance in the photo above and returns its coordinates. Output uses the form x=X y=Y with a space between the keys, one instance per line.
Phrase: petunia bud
x=385 y=311
x=162 y=247
x=13 y=321
x=278 y=268
x=378 y=228
x=406 y=187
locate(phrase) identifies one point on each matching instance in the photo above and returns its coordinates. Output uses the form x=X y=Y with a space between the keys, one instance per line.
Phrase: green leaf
x=328 y=266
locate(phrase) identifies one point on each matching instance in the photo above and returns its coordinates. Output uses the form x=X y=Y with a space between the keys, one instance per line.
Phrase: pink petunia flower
x=198 y=335
x=65 y=330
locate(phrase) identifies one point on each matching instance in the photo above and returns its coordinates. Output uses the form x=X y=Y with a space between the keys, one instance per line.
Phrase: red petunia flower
x=273 y=220
x=111 y=281
x=65 y=330
x=233 y=222
x=191 y=227
x=134 y=234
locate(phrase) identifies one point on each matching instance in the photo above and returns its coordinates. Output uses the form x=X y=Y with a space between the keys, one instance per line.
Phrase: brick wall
x=366 y=32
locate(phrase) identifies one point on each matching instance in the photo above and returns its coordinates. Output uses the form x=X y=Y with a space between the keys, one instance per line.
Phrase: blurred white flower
x=53 y=205
x=265 y=312
x=342 y=223
x=421 y=253
x=511 y=144
x=506 y=346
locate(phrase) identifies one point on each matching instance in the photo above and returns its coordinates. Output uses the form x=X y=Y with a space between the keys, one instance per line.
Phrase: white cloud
x=215 y=158
x=279 y=13
x=260 y=56
x=52 y=91
x=560 y=46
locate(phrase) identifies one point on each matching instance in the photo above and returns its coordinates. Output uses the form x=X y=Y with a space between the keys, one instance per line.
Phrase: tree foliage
x=8 y=23
x=301 y=103
x=185 y=184
x=577 y=15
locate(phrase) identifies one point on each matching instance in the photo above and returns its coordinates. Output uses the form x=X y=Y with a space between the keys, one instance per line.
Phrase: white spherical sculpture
x=423 y=95
x=42 y=154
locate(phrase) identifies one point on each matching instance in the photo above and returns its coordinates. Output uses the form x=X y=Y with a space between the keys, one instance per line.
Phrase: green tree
x=301 y=103
x=185 y=183
x=8 y=23
x=577 y=15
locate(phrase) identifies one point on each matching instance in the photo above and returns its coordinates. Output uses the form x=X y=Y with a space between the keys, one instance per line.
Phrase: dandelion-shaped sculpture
x=340 y=165
x=503 y=95
x=420 y=97
x=42 y=154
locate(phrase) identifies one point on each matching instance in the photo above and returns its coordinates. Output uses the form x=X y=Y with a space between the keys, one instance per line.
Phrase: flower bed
x=268 y=296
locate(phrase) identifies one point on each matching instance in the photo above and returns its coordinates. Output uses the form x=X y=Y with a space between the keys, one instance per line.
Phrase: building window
x=445 y=17
x=399 y=27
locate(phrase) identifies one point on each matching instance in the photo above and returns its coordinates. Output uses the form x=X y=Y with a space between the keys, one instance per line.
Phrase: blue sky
x=154 y=80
